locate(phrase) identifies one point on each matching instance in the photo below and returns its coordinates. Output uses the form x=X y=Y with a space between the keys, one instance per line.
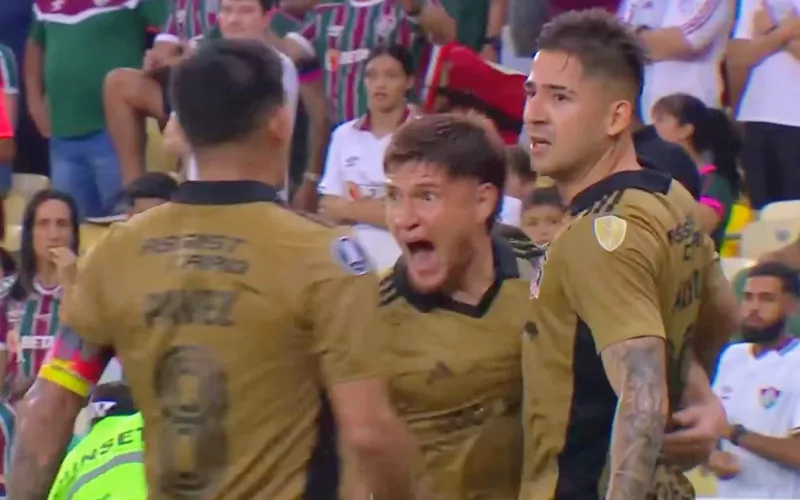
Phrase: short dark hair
x=519 y=162
x=780 y=271
x=395 y=51
x=465 y=145
x=546 y=196
x=226 y=89
x=602 y=43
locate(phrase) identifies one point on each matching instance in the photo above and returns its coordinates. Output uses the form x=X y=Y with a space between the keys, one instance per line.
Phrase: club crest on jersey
x=386 y=25
x=768 y=397
x=609 y=231
x=349 y=255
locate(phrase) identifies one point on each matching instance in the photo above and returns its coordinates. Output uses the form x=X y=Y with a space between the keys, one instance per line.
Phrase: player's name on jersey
x=212 y=252
x=189 y=307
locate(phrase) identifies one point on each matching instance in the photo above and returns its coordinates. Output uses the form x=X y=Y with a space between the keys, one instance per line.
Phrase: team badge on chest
x=768 y=397
x=610 y=231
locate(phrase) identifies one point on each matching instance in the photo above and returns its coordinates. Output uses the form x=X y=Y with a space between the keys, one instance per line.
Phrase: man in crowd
x=9 y=85
x=622 y=287
x=131 y=94
x=108 y=461
x=72 y=46
x=763 y=60
x=340 y=35
x=186 y=297
x=479 y=25
x=758 y=383
x=682 y=37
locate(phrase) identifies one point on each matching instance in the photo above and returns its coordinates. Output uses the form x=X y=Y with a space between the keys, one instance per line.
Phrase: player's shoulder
x=626 y=202
x=735 y=354
x=388 y=289
x=346 y=129
x=325 y=248
x=526 y=253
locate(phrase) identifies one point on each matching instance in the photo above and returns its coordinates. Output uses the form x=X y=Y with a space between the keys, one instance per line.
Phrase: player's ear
x=487 y=196
x=620 y=117
x=280 y=126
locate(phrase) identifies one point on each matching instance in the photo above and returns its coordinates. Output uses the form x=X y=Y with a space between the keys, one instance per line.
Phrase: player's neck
x=479 y=274
x=620 y=157
x=384 y=123
x=228 y=165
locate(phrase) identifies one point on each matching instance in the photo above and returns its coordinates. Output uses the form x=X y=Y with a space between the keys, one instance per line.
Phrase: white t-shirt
x=354 y=169
x=771 y=94
x=511 y=211
x=763 y=394
x=291 y=85
x=704 y=23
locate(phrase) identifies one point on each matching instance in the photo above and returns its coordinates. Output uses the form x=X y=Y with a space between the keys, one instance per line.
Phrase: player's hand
x=488 y=53
x=724 y=465
x=762 y=20
x=66 y=265
x=334 y=208
x=37 y=108
x=700 y=426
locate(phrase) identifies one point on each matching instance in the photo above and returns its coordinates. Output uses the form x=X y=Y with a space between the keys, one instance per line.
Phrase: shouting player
x=226 y=333
x=623 y=283
x=455 y=304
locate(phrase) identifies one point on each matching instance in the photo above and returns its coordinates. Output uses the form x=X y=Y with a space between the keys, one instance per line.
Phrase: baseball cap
x=113 y=399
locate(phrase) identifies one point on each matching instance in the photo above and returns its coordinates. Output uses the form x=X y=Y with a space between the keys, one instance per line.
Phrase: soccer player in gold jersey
x=628 y=289
x=230 y=315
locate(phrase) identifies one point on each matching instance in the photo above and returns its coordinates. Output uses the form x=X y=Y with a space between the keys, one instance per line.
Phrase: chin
x=427 y=283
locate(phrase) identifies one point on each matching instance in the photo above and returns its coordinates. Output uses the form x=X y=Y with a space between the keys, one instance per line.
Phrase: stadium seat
x=761 y=237
x=13 y=237
x=741 y=216
x=28 y=184
x=14 y=207
x=732 y=265
x=780 y=210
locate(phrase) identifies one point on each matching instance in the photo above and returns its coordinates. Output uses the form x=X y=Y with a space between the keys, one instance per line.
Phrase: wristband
x=737 y=431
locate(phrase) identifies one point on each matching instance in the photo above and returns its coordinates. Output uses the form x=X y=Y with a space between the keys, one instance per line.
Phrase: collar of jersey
x=646 y=179
x=224 y=193
x=505 y=265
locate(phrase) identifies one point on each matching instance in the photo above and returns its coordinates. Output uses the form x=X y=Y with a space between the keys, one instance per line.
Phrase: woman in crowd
x=709 y=137
x=352 y=187
x=29 y=299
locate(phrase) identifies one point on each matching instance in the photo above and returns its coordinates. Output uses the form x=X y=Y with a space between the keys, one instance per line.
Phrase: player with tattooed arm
x=623 y=287
x=227 y=333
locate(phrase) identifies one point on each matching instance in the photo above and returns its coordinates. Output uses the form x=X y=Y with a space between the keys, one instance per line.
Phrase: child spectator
x=543 y=215
x=709 y=137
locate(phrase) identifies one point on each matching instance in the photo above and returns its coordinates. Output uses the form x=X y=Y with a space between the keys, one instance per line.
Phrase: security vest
x=107 y=463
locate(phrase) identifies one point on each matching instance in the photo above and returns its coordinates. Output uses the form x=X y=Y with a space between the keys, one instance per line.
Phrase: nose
x=401 y=215
x=534 y=113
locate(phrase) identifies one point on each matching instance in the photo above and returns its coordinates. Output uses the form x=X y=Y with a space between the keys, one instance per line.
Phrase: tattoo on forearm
x=42 y=434
x=641 y=416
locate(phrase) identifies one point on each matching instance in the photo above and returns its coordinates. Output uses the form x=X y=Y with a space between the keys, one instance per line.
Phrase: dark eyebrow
x=530 y=86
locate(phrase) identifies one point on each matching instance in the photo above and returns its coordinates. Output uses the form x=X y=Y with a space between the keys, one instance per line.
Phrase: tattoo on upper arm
x=45 y=421
x=637 y=370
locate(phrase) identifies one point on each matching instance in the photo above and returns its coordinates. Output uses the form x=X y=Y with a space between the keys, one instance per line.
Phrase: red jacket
x=466 y=80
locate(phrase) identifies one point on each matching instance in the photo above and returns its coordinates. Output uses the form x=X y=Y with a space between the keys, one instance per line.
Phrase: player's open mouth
x=539 y=144
x=421 y=255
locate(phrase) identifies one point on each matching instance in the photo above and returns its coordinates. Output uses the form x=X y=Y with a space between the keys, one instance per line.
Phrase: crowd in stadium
x=92 y=134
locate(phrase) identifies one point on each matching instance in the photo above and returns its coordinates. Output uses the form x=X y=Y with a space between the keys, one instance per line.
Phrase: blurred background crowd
x=87 y=136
